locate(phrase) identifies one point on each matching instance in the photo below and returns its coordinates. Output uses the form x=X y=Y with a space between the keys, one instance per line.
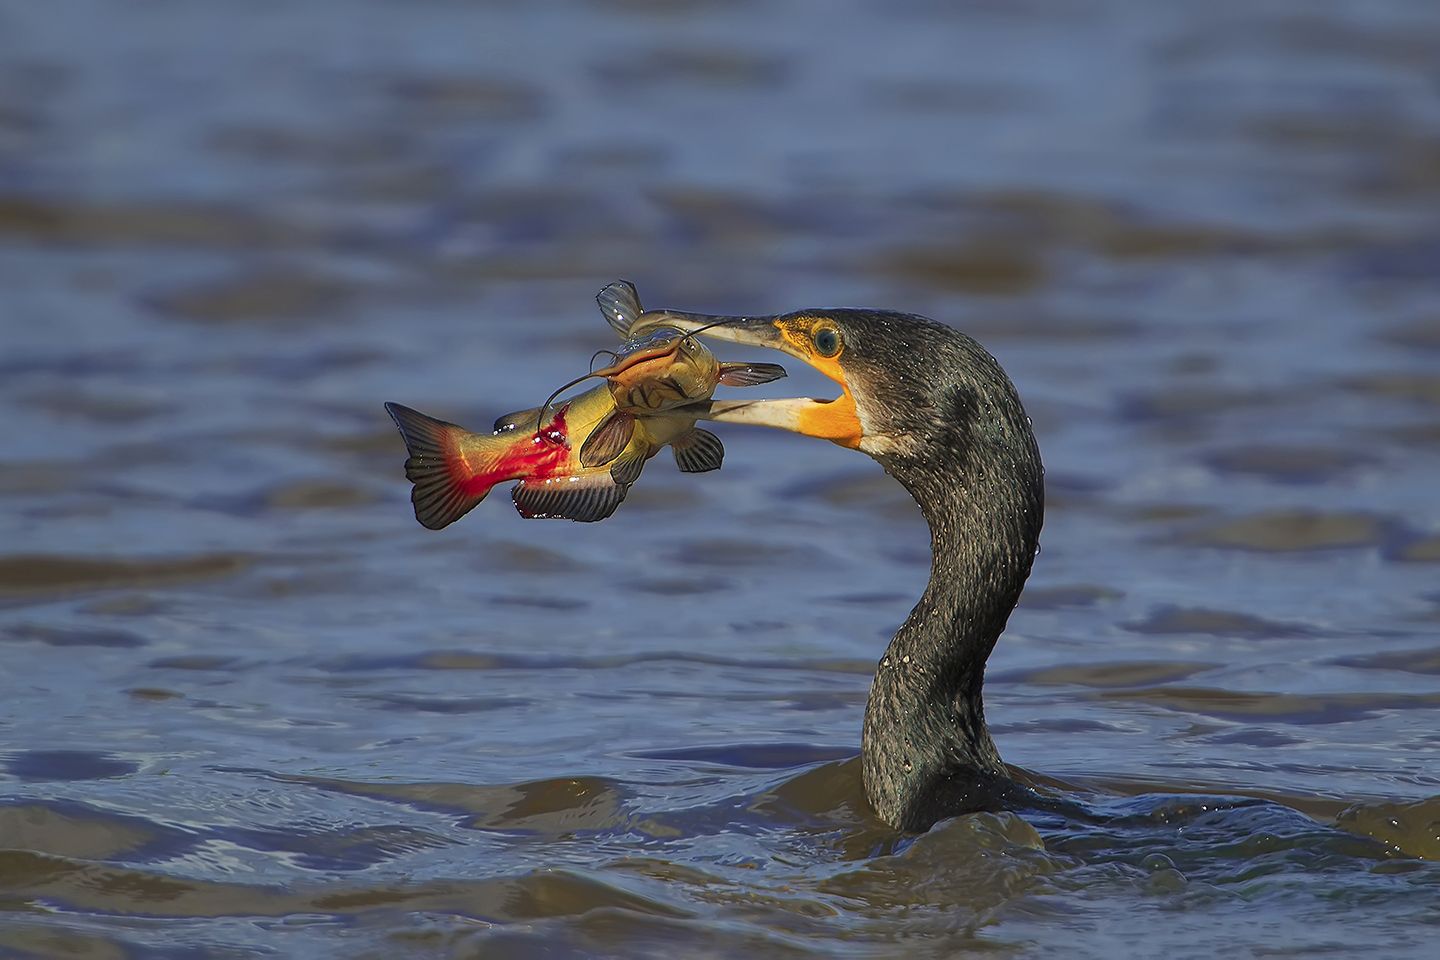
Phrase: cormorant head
x=912 y=391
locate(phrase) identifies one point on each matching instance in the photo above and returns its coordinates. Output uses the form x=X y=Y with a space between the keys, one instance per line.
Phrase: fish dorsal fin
x=698 y=451
x=586 y=498
x=749 y=374
x=520 y=419
x=608 y=440
x=620 y=303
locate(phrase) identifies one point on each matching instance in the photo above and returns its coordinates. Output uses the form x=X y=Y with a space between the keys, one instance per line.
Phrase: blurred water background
x=248 y=707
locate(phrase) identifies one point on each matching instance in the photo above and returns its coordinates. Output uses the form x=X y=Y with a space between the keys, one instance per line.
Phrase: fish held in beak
x=653 y=376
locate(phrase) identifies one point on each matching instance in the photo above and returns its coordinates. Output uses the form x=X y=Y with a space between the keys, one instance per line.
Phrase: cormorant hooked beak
x=808 y=336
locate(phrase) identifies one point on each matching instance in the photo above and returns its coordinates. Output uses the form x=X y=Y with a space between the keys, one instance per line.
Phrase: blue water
x=250 y=707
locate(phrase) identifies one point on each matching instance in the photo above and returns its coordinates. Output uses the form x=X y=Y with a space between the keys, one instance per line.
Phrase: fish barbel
x=453 y=469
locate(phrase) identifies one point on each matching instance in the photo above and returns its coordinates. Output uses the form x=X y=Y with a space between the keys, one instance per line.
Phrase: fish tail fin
x=446 y=488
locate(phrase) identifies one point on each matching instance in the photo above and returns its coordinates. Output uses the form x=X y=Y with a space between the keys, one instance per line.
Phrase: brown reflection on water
x=1216 y=623
x=1296 y=530
x=1277 y=707
x=1411 y=828
x=552 y=808
x=146 y=225
x=27 y=575
x=275 y=295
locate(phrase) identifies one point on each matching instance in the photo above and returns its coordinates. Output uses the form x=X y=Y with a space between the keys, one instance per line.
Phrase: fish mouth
x=835 y=419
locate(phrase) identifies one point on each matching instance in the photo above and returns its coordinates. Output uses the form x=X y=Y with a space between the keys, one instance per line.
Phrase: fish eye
x=827 y=341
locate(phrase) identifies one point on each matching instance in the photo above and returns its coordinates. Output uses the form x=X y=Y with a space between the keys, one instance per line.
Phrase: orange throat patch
x=835 y=420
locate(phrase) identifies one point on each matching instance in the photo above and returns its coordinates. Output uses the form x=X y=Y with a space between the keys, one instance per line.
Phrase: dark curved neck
x=927 y=753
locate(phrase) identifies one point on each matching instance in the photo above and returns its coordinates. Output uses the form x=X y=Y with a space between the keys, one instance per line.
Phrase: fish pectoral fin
x=626 y=469
x=441 y=495
x=749 y=374
x=620 y=303
x=608 y=440
x=586 y=499
x=698 y=451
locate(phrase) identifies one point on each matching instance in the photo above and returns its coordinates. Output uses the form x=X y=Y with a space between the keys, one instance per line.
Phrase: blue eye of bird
x=827 y=341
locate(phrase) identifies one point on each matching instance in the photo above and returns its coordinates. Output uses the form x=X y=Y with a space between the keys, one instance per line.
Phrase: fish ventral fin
x=698 y=451
x=749 y=374
x=620 y=303
x=585 y=498
x=439 y=495
x=608 y=440
x=626 y=469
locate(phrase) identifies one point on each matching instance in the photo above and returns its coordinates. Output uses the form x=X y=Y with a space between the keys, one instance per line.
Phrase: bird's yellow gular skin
x=836 y=420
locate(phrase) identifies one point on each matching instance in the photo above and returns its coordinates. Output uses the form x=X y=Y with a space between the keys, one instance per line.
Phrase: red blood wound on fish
x=540 y=456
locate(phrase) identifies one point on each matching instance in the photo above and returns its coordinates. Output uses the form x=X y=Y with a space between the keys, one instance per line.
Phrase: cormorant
x=940 y=415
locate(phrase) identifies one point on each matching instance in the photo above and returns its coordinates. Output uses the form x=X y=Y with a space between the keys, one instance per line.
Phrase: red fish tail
x=446 y=487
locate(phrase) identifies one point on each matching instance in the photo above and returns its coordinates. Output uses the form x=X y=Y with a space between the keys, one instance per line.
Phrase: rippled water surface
x=250 y=707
